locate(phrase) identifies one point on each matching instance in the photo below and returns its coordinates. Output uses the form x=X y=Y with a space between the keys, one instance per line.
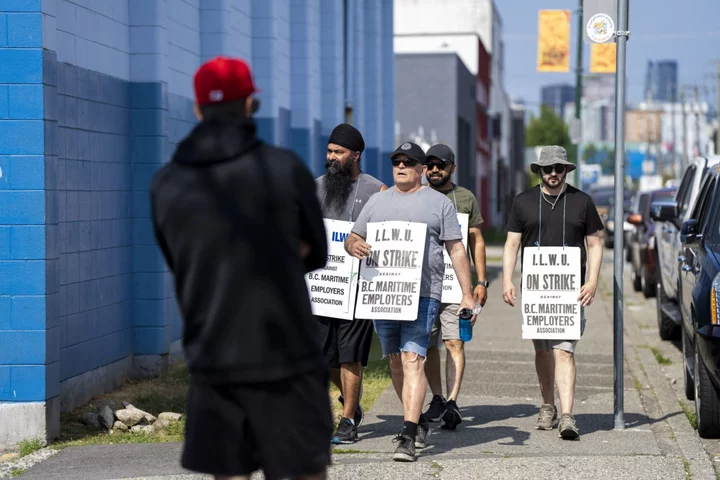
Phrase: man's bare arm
x=476 y=242
x=355 y=245
x=595 y=255
x=512 y=245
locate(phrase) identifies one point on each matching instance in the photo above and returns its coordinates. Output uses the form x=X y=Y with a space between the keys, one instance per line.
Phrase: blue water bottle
x=465 y=325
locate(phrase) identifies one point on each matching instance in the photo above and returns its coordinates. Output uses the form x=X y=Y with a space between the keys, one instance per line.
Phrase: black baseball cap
x=441 y=152
x=412 y=150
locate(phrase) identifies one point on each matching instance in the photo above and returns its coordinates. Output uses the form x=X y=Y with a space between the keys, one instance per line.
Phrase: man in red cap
x=239 y=225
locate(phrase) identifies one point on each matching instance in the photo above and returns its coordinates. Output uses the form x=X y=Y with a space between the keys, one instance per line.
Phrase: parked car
x=603 y=196
x=699 y=307
x=641 y=244
x=628 y=228
x=669 y=215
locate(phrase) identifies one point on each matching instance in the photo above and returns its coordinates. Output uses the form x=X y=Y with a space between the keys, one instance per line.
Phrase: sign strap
x=540 y=204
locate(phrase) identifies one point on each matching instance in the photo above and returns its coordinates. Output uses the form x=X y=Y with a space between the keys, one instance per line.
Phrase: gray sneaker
x=568 y=428
x=547 y=417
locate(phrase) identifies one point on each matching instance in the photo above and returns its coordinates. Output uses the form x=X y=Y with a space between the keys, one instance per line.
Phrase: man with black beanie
x=343 y=192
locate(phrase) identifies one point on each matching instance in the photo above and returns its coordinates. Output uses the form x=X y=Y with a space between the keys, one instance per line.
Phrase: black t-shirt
x=581 y=219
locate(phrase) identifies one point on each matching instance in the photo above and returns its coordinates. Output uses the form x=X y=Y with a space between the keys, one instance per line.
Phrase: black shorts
x=345 y=341
x=283 y=428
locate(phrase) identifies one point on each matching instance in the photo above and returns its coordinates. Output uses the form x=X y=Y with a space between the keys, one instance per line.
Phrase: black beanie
x=347 y=136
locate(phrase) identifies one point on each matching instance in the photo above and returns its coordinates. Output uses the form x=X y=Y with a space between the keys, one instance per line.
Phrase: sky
x=689 y=33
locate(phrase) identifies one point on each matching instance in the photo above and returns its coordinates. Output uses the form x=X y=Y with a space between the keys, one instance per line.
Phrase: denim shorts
x=408 y=336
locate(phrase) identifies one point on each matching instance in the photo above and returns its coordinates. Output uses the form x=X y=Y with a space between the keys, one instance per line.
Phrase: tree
x=589 y=154
x=547 y=129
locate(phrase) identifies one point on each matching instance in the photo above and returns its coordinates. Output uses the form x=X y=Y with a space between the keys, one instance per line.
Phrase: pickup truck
x=669 y=216
x=698 y=300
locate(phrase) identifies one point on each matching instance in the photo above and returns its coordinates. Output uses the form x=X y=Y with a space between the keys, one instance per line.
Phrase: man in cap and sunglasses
x=405 y=343
x=343 y=191
x=440 y=167
x=239 y=226
x=555 y=214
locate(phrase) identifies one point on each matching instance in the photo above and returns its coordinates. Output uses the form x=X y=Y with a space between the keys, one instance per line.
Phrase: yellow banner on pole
x=553 y=41
x=602 y=57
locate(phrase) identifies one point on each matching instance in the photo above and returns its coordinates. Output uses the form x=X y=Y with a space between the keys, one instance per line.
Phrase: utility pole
x=684 y=135
x=578 y=91
x=675 y=165
x=696 y=109
x=621 y=37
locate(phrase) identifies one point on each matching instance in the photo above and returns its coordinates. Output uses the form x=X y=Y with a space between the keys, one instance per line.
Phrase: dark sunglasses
x=440 y=165
x=547 y=170
x=408 y=162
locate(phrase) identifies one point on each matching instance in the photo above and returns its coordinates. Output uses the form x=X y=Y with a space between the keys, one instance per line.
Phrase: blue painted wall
x=94 y=98
x=28 y=332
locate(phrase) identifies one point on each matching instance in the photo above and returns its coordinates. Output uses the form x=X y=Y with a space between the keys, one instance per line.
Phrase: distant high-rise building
x=661 y=81
x=557 y=96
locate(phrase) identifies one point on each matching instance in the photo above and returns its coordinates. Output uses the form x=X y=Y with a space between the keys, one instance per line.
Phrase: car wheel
x=668 y=329
x=707 y=402
x=687 y=353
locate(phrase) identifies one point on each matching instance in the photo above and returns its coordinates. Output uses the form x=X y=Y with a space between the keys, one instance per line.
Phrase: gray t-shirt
x=363 y=188
x=423 y=206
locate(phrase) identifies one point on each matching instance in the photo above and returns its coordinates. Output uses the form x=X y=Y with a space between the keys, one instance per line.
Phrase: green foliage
x=547 y=129
x=589 y=153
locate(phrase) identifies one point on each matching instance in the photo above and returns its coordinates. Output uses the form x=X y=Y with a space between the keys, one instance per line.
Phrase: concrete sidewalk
x=499 y=403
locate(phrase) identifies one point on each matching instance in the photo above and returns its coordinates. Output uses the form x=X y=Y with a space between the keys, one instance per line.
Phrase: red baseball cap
x=223 y=79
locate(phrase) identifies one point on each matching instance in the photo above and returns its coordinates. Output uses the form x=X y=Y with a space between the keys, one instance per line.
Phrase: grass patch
x=659 y=357
x=165 y=394
x=493 y=259
x=16 y=472
x=686 y=467
x=348 y=451
x=375 y=379
x=27 y=447
x=690 y=414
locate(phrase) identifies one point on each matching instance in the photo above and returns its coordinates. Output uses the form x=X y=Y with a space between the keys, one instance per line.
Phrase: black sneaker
x=405 y=451
x=451 y=418
x=423 y=431
x=359 y=412
x=346 y=432
x=436 y=409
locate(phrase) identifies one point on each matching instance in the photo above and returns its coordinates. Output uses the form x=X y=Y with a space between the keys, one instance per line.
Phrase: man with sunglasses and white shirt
x=405 y=343
x=550 y=215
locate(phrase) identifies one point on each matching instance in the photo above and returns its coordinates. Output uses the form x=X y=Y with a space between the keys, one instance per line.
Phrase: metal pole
x=618 y=257
x=578 y=92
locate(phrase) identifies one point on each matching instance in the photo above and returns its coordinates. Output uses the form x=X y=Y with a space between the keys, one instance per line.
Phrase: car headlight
x=714 y=304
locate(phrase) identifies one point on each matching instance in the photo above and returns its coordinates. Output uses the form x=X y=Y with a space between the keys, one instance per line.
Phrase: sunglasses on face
x=439 y=165
x=549 y=169
x=408 y=162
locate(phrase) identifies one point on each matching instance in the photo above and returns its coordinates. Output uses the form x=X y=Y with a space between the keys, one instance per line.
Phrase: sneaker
x=436 y=409
x=359 y=412
x=568 y=428
x=423 y=431
x=346 y=433
x=405 y=451
x=547 y=417
x=451 y=418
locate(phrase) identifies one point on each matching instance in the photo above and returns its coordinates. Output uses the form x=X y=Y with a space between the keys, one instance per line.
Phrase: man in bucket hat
x=554 y=214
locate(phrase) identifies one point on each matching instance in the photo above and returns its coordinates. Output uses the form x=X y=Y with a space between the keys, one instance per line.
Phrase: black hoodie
x=229 y=214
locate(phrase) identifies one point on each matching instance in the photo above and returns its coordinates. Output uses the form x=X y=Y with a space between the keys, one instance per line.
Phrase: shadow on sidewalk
x=604 y=422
